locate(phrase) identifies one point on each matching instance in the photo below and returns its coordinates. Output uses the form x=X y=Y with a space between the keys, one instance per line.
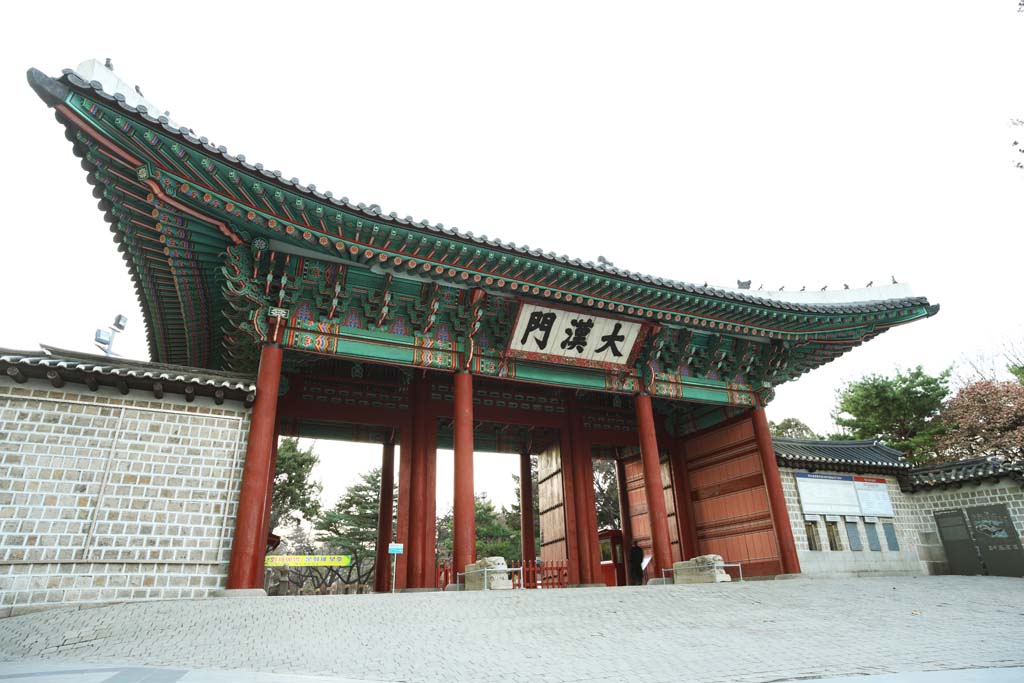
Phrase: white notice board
x=873 y=495
x=827 y=494
x=839 y=494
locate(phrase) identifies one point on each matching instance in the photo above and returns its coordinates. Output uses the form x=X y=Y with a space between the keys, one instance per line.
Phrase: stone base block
x=497 y=581
x=701 y=569
x=239 y=593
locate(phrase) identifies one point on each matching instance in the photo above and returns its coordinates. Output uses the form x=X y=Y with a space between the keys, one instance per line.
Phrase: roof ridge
x=847 y=442
x=56 y=353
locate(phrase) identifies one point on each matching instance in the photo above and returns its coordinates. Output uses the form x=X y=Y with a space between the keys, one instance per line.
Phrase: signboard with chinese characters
x=573 y=338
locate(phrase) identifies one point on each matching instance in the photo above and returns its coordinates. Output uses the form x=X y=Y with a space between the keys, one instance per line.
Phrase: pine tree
x=606 y=494
x=293 y=490
x=493 y=535
x=901 y=411
x=351 y=527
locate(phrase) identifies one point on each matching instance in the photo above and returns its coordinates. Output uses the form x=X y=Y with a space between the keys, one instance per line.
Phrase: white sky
x=788 y=143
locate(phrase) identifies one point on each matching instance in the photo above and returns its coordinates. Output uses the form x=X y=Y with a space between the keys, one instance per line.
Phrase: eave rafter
x=186 y=214
x=236 y=197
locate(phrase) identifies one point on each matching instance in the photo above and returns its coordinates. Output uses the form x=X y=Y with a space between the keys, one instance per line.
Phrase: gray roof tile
x=865 y=456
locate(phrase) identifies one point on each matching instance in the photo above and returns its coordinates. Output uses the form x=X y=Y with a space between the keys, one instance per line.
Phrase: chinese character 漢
x=611 y=341
x=576 y=336
x=540 y=322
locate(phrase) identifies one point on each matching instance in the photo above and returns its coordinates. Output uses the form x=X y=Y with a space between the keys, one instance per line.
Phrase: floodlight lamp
x=104 y=338
x=119 y=322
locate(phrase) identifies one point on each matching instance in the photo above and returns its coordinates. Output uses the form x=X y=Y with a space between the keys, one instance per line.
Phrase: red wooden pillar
x=249 y=520
x=684 y=502
x=405 y=499
x=463 y=516
x=428 y=518
x=582 y=469
x=259 y=559
x=776 y=499
x=414 y=548
x=586 y=516
x=661 y=542
x=527 y=541
x=625 y=521
x=382 y=563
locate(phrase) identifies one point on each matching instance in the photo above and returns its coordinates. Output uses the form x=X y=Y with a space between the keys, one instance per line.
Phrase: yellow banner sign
x=308 y=561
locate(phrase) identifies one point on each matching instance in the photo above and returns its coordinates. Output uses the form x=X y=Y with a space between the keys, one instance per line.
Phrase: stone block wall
x=924 y=505
x=105 y=497
x=848 y=562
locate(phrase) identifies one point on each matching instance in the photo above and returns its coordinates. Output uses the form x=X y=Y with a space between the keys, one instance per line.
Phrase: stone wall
x=847 y=562
x=105 y=497
x=924 y=505
x=921 y=550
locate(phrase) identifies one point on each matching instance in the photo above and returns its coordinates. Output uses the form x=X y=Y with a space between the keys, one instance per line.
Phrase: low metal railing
x=534 y=574
x=499 y=570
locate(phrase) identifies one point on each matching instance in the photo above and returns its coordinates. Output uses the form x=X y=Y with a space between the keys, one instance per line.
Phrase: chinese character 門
x=542 y=323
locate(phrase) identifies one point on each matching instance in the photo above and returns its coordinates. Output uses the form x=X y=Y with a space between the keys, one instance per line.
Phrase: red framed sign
x=568 y=337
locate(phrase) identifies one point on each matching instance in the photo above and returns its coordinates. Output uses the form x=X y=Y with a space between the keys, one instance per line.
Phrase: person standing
x=636 y=565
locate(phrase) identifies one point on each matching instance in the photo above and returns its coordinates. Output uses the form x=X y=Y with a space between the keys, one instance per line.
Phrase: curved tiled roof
x=94 y=370
x=857 y=456
x=53 y=91
x=976 y=469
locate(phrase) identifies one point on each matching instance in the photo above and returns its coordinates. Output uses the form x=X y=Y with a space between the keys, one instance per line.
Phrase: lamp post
x=105 y=338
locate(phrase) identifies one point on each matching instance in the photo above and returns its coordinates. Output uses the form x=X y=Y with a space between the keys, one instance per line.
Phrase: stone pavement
x=46 y=671
x=757 y=631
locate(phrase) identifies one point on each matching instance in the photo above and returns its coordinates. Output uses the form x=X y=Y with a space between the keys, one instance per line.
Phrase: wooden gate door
x=636 y=495
x=730 y=498
x=551 y=496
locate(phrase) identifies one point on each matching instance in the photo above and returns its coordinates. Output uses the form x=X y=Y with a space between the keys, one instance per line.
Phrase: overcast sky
x=786 y=143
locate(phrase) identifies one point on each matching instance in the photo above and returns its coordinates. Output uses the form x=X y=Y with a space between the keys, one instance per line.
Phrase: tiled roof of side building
x=845 y=456
x=53 y=91
x=59 y=366
x=957 y=473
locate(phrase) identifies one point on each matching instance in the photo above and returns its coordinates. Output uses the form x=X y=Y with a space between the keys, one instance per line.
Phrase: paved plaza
x=753 y=631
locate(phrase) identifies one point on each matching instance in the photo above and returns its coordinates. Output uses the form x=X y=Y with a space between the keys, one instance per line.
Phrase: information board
x=873 y=495
x=838 y=494
x=827 y=494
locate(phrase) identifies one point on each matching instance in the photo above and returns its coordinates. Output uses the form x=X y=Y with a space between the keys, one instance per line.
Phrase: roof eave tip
x=932 y=309
x=49 y=90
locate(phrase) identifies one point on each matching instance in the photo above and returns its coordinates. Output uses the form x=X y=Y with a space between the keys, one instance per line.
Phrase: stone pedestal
x=239 y=593
x=474 y=579
x=701 y=569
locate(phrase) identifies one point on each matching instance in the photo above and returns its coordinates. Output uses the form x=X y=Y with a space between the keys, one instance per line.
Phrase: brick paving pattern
x=747 y=632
